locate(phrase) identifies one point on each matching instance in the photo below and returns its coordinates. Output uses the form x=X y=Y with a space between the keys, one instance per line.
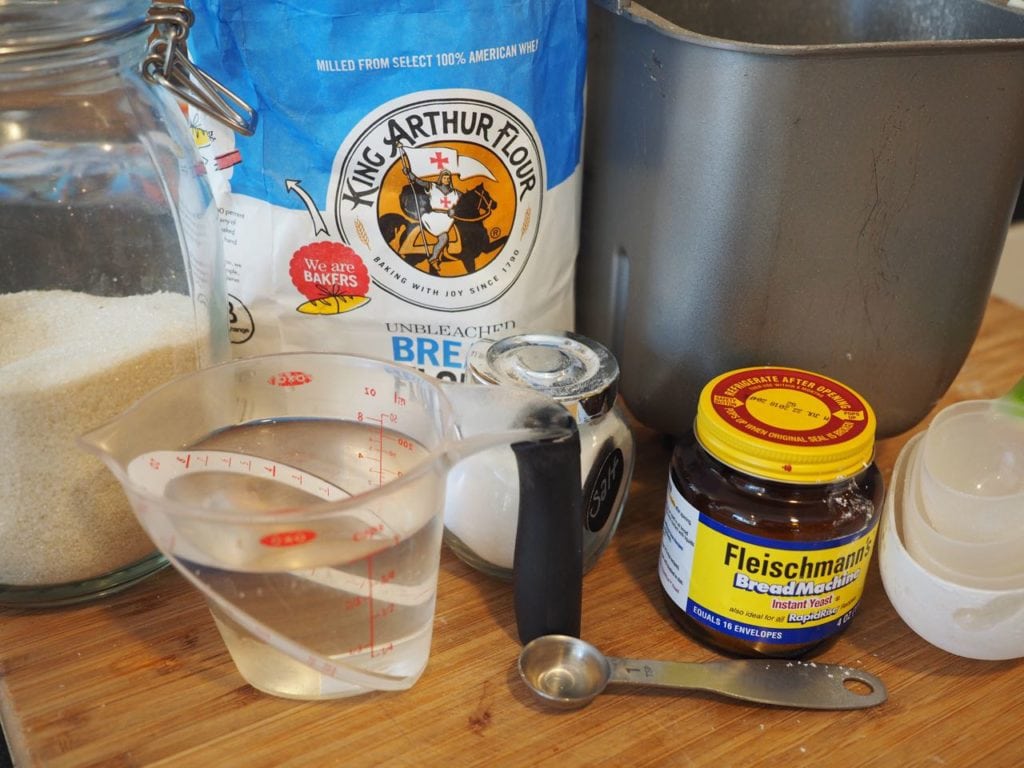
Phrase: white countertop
x=1009 y=282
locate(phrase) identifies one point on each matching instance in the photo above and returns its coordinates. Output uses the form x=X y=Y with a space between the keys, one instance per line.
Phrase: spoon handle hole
x=859 y=686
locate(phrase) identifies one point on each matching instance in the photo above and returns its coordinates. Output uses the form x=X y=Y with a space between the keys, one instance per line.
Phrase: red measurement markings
x=354 y=602
x=374 y=652
x=289 y=379
x=368 y=533
x=270 y=469
x=190 y=460
x=377 y=442
x=380 y=452
x=374 y=610
x=376 y=445
x=288 y=538
x=384 y=649
x=321 y=665
x=369 y=600
x=396 y=398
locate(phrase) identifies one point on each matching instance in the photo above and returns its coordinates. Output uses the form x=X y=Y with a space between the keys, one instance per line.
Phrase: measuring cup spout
x=547 y=569
x=101 y=442
x=173 y=414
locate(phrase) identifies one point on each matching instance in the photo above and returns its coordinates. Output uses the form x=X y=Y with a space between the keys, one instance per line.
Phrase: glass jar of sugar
x=110 y=277
x=582 y=375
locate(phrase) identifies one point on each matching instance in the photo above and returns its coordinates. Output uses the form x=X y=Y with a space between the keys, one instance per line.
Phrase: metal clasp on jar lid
x=167 y=64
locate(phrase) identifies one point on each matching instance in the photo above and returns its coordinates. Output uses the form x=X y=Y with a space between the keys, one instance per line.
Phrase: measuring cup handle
x=547 y=572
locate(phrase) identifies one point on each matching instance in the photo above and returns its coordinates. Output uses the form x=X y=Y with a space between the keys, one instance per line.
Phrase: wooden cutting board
x=142 y=678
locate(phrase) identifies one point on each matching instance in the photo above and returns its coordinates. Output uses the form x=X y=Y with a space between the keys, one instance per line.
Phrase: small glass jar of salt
x=111 y=279
x=481 y=514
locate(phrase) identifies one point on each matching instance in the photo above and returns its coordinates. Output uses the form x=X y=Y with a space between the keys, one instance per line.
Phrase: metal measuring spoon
x=567 y=672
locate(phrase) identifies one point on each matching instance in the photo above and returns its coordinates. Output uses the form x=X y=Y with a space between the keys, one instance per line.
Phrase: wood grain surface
x=143 y=678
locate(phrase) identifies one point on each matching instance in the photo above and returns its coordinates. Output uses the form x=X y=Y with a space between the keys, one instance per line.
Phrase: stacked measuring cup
x=952 y=548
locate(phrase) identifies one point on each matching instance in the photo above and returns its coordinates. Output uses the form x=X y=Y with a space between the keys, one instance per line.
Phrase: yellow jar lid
x=785 y=424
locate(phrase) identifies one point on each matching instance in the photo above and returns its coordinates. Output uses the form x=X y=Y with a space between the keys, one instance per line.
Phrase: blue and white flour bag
x=413 y=183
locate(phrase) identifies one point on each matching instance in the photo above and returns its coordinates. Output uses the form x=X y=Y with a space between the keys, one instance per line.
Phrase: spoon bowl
x=563 y=671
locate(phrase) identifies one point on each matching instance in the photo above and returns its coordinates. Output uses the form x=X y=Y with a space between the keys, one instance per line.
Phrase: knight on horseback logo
x=445 y=196
x=436 y=202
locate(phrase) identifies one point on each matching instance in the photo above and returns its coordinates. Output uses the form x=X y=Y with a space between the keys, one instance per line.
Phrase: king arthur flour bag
x=413 y=182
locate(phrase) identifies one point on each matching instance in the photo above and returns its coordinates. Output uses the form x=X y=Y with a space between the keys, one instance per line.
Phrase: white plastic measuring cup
x=972 y=469
x=302 y=494
x=992 y=564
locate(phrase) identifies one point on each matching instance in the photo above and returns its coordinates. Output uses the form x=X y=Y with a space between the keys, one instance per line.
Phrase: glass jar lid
x=32 y=27
x=32 y=31
x=578 y=372
x=785 y=424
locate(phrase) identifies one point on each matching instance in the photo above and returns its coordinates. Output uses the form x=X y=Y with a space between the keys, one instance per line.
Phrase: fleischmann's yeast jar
x=773 y=504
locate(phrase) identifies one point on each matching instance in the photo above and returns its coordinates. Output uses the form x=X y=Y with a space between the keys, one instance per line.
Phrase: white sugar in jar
x=482 y=507
x=112 y=278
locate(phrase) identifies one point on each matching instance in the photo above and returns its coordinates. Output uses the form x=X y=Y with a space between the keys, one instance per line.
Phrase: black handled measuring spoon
x=567 y=672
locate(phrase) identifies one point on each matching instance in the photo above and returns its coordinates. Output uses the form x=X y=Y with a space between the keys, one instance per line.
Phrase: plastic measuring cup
x=972 y=469
x=993 y=564
x=303 y=495
x=974 y=622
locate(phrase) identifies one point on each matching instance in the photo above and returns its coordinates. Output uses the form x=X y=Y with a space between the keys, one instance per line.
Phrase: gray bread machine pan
x=818 y=183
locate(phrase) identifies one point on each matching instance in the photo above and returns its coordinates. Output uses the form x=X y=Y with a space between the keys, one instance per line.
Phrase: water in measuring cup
x=357 y=590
